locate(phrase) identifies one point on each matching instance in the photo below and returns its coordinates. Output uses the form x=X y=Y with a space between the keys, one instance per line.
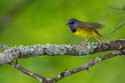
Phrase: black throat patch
x=73 y=30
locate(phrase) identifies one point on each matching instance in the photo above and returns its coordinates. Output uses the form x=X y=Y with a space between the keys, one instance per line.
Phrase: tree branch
x=36 y=76
x=87 y=65
x=68 y=72
x=11 y=53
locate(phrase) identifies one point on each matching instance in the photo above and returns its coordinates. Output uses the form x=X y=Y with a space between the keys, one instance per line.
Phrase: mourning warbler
x=86 y=30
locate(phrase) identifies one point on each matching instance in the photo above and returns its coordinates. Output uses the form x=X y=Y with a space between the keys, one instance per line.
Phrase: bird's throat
x=73 y=30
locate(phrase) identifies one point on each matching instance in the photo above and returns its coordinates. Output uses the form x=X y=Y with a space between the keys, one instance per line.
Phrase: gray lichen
x=38 y=49
x=11 y=53
x=122 y=39
x=3 y=58
x=55 y=49
x=67 y=73
x=58 y=76
x=86 y=49
x=97 y=59
x=39 y=79
x=49 y=49
x=48 y=79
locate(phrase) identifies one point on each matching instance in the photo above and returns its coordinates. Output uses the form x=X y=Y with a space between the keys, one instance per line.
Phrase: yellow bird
x=86 y=30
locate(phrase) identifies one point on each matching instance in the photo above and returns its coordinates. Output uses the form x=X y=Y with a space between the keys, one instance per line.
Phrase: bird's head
x=73 y=23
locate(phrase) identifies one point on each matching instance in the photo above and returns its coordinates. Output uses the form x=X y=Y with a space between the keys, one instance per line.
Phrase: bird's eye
x=71 y=22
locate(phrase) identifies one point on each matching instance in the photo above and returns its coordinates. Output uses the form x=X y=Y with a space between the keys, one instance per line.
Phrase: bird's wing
x=90 y=25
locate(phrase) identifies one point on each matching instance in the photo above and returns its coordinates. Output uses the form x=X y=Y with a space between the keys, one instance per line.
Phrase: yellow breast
x=85 y=33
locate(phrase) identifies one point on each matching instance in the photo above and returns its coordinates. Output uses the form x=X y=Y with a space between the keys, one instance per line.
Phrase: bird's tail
x=101 y=39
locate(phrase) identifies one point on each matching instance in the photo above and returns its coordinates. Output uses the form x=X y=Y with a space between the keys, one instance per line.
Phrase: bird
x=86 y=30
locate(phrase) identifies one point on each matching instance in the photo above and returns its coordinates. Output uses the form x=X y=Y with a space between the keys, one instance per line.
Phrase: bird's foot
x=84 y=43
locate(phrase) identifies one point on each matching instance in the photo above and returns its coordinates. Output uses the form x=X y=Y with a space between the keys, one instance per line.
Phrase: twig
x=118 y=27
x=68 y=72
x=36 y=76
x=87 y=65
x=52 y=49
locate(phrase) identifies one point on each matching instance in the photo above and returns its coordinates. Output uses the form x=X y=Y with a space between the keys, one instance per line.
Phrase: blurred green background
x=28 y=22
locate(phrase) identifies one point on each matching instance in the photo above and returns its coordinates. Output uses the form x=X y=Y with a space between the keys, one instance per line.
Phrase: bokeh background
x=28 y=22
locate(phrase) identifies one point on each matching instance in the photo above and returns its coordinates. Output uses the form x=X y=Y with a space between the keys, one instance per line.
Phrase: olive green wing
x=90 y=25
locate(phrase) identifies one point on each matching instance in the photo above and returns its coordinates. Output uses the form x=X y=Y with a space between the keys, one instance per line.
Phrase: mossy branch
x=11 y=53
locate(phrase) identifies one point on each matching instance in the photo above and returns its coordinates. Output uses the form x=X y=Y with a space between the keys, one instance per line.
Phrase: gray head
x=73 y=23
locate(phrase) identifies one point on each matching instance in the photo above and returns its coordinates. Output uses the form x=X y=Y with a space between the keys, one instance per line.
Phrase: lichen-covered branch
x=11 y=53
x=70 y=71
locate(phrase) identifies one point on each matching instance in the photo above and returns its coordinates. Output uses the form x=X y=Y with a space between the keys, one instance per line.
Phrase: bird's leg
x=84 y=43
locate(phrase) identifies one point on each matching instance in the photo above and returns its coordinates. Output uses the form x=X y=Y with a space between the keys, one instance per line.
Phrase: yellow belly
x=84 y=33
